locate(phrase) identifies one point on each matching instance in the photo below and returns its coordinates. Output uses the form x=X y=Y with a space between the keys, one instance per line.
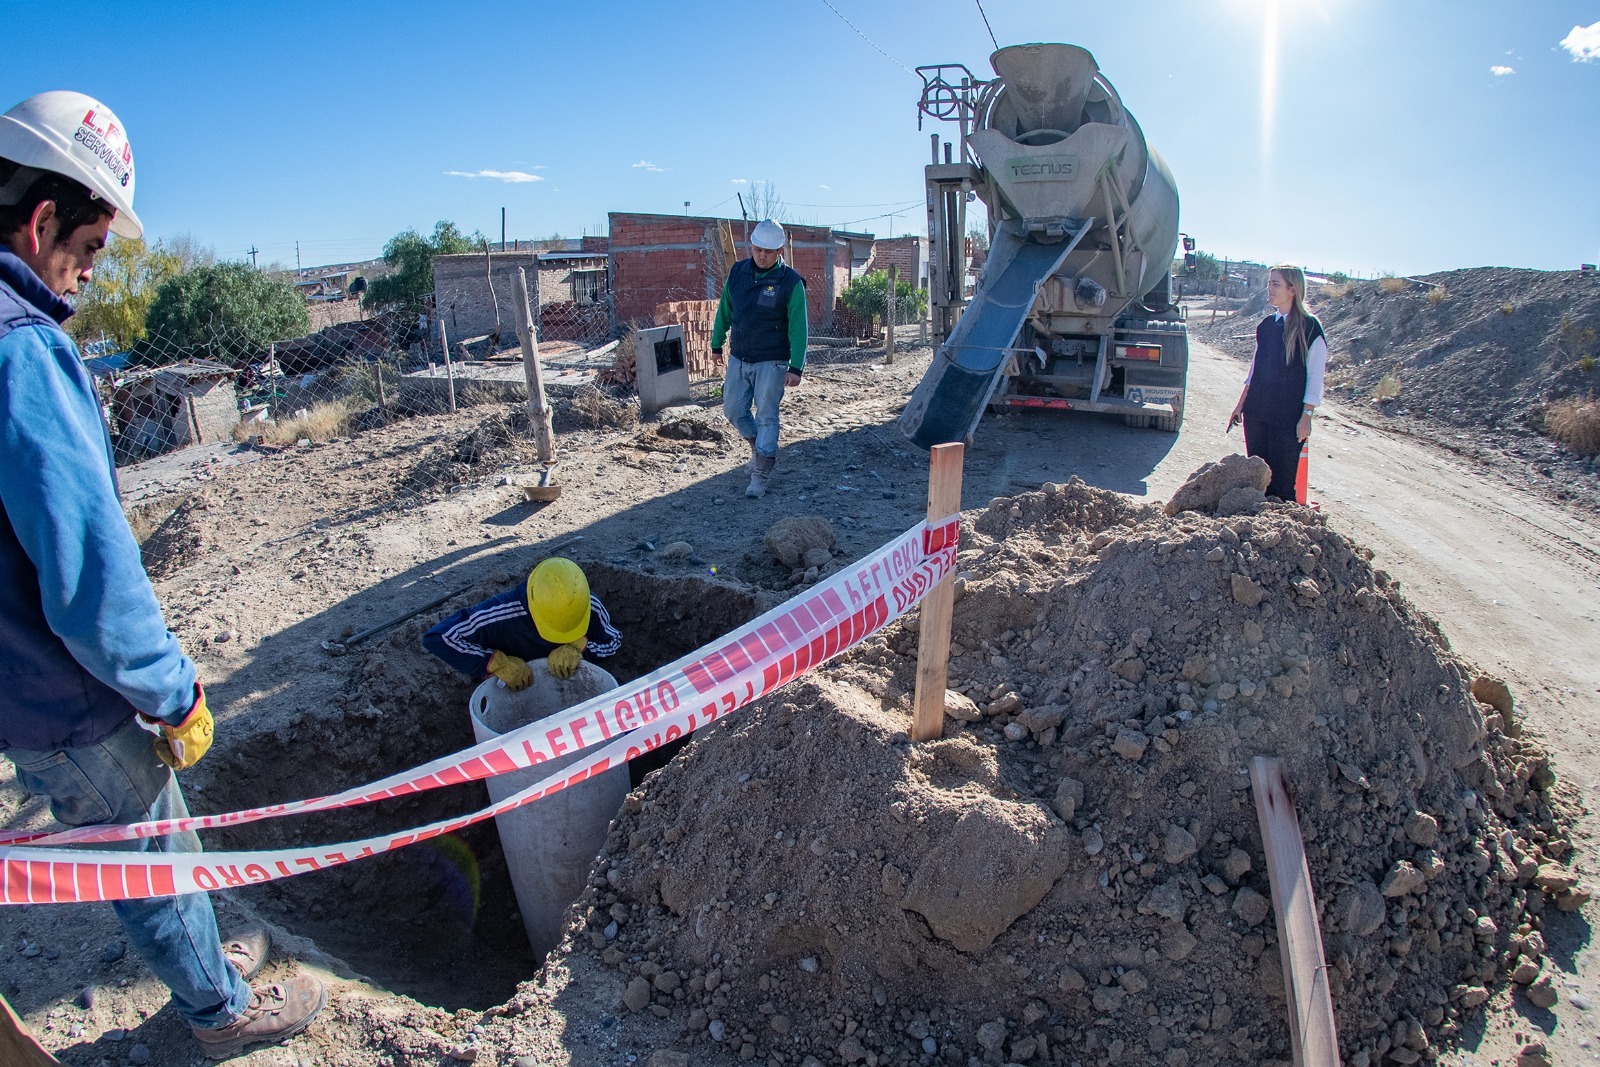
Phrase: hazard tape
x=672 y=702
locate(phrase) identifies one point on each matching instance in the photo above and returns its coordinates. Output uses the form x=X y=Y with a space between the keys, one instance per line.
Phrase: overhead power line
x=870 y=41
x=986 y=24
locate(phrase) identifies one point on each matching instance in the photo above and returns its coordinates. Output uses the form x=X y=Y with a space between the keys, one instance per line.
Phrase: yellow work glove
x=181 y=746
x=509 y=669
x=563 y=661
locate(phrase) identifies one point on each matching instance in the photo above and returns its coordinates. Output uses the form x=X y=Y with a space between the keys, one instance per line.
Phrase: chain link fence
x=179 y=400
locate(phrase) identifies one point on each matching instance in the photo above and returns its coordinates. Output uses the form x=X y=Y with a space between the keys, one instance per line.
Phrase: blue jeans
x=760 y=384
x=120 y=780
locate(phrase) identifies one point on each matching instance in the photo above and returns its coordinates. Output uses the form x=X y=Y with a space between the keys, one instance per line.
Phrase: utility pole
x=252 y=255
x=297 y=261
x=502 y=229
x=686 y=209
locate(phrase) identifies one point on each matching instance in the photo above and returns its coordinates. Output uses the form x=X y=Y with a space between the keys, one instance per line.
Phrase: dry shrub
x=1390 y=284
x=1575 y=422
x=1507 y=308
x=1437 y=295
x=321 y=423
x=1339 y=291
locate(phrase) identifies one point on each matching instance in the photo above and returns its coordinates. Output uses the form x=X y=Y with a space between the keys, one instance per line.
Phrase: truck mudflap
x=947 y=404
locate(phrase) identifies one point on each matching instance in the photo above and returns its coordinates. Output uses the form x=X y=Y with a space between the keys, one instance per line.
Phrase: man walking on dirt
x=88 y=669
x=764 y=303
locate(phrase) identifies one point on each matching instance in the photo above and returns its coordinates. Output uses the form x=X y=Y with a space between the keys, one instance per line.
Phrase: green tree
x=119 y=293
x=867 y=296
x=411 y=255
x=1207 y=267
x=227 y=312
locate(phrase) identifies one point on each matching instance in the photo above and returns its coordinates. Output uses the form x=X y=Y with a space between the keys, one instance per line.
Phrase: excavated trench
x=436 y=921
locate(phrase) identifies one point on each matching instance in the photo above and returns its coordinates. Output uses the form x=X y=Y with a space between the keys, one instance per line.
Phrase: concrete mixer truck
x=1073 y=308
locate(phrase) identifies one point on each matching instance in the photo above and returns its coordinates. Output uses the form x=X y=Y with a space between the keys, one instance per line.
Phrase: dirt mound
x=1484 y=347
x=1077 y=874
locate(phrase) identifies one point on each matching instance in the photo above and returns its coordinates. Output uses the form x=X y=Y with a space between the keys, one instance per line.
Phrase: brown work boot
x=248 y=952
x=760 y=472
x=276 y=1013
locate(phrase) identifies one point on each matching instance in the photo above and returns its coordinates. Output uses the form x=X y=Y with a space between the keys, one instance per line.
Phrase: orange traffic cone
x=1302 y=479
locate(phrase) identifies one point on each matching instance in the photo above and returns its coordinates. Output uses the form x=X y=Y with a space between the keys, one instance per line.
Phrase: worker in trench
x=764 y=305
x=552 y=616
x=99 y=706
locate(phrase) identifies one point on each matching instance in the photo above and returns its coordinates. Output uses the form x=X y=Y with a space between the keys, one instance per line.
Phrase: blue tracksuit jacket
x=468 y=639
x=82 y=641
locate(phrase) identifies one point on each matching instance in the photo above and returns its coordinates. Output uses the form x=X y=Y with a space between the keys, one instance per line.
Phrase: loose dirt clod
x=1077 y=874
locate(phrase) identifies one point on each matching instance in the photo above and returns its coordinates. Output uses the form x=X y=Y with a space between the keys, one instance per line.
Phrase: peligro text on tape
x=727 y=679
x=892 y=567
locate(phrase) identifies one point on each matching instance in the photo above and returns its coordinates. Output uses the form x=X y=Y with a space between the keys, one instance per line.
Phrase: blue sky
x=1387 y=141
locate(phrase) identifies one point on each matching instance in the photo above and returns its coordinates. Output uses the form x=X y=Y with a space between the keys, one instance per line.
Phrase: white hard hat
x=76 y=136
x=768 y=235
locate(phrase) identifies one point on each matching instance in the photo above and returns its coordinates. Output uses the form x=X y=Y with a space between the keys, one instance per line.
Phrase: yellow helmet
x=558 y=600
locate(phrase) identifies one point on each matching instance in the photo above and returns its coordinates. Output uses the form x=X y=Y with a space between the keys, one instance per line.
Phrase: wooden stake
x=933 y=640
x=528 y=336
x=449 y=371
x=1305 y=970
x=888 y=317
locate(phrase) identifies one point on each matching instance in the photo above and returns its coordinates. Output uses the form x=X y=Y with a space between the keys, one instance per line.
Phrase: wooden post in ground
x=933 y=631
x=383 y=401
x=528 y=336
x=888 y=316
x=449 y=371
x=17 y=1046
x=1305 y=971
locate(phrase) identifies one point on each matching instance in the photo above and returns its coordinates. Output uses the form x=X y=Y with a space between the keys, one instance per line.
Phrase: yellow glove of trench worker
x=563 y=661
x=181 y=746
x=513 y=671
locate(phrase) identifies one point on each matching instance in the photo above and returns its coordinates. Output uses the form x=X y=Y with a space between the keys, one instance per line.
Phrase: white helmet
x=768 y=235
x=76 y=136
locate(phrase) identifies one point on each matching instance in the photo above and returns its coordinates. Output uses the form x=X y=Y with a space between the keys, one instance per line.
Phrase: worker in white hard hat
x=88 y=669
x=764 y=305
x=552 y=616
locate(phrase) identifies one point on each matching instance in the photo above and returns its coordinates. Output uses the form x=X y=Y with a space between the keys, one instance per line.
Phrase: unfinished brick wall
x=909 y=254
x=696 y=317
x=659 y=259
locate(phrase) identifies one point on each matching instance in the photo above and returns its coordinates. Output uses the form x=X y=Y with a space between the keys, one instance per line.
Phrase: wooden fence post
x=528 y=338
x=933 y=631
x=449 y=370
x=888 y=316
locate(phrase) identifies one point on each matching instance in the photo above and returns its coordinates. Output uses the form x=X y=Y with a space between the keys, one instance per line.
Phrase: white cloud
x=741 y=181
x=514 y=177
x=647 y=165
x=1583 y=42
x=1501 y=72
x=829 y=188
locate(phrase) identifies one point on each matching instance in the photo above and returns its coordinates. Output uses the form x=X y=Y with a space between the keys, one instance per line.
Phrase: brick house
x=909 y=254
x=660 y=259
x=570 y=287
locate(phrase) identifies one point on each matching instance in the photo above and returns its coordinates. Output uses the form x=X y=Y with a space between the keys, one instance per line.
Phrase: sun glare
x=1269 y=74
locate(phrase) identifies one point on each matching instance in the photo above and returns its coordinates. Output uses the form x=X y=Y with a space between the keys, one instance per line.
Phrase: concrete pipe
x=551 y=843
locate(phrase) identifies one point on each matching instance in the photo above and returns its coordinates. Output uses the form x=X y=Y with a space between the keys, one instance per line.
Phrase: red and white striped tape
x=641 y=715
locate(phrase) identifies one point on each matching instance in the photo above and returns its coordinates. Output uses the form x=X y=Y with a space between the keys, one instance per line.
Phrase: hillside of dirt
x=1075 y=873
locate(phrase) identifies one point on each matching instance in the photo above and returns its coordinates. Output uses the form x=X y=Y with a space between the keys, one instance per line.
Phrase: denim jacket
x=83 y=645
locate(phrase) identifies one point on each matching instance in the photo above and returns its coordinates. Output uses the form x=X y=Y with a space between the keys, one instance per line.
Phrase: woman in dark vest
x=1284 y=385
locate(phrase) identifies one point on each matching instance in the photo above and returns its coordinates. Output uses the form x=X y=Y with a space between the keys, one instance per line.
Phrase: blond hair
x=1294 y=320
